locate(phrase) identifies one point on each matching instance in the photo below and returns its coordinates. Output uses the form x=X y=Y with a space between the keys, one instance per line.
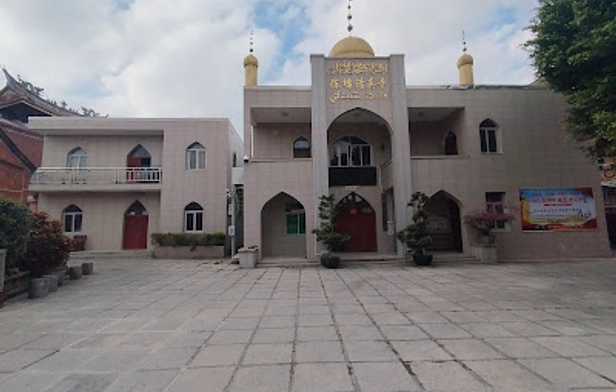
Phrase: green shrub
x=15 y=223
x=189 y=239
x=48 y=247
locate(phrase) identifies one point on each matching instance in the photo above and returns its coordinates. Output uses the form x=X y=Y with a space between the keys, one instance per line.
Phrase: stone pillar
x=320 y=157
x=401 y=145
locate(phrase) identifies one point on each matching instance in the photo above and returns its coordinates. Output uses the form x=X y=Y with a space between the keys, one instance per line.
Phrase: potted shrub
x=416 y=235
x=326 y=233
x=482 y=222
x=48 y=247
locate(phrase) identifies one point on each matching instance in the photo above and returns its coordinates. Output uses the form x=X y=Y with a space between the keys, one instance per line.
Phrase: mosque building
x=358 y=132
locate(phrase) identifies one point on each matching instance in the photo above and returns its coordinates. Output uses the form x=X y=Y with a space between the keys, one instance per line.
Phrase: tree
x=15 y=223
x=574 y=51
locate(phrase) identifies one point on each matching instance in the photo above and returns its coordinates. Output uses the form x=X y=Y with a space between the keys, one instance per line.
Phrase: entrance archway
x=283 y=227
x=444 y=222
x=357 y=218
x=135 y=227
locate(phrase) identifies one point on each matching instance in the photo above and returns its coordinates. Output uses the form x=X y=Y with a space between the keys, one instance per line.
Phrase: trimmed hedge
x=189 y=239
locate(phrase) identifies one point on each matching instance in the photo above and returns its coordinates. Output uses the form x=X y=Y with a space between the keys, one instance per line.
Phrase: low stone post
x=248 y=257
x=87 y=268
x=2 y=273
x=39 y=287
x=75 y=272
x=53 y=282
x=60 y=274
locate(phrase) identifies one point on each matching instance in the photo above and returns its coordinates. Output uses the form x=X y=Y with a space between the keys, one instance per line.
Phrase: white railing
x=96 y=175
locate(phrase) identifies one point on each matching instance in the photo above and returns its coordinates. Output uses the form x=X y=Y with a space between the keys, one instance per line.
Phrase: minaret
x=465 y=66
x=251 y=66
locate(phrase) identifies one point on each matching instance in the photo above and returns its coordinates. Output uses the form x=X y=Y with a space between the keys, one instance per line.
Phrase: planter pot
x=87 y=268
x=248 y=257
x=422 y=259
x=75 y=272
x=330 y=261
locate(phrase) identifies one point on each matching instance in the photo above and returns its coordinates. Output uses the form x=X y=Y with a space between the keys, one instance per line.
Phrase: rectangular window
x=296 y=223
x=495 y=202
x=487 y=137
x=195 y=159
x=72 y=222
x=193 y=221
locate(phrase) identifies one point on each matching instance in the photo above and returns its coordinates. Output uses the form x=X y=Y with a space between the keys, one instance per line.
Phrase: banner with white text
x=558 y=209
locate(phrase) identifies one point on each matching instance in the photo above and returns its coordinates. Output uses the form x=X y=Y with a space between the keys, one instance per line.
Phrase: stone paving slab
x=169 y=326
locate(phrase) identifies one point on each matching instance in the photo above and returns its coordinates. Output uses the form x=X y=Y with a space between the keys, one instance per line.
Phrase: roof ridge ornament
x=349 y=18
x=252 y=41
x=464 y=48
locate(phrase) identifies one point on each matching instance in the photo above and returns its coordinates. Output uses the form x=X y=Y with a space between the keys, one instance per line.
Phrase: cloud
x=184 y=58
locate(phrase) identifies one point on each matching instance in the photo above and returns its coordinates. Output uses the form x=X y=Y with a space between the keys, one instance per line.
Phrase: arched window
x=451 y=144
x=139 y=157
x=195 y=157
x=72 y=217
x=77 y=158
x=193 y=218
x=488 y=136
x=350 y=151
x=301 y=148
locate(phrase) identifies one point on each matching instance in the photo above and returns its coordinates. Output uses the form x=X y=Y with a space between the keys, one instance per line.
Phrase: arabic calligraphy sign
x=356 y=80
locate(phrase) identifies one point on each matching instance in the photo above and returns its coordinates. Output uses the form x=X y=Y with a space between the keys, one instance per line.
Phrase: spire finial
x=464 y=49
x=252 y=41
x=349 y=18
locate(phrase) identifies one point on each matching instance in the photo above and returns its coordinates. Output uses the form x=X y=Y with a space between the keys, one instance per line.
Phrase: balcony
x=103 y=179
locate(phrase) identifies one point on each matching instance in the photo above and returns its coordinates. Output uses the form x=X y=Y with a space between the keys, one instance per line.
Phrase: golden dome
x=251 y=60
x=352 y=47
x=465 y=59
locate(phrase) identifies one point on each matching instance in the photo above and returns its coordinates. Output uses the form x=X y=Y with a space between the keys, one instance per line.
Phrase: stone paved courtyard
x=151 y=325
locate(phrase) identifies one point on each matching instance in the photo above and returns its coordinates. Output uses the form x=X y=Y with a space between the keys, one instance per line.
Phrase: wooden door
x=361 y=226
x=135 y=232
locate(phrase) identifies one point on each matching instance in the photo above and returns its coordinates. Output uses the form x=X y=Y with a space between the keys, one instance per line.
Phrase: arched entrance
x=135 y=227
x=444 y=222
x=357 y=218
x=283 y=227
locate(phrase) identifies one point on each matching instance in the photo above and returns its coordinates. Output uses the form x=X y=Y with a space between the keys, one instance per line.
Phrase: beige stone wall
x=103 y=151
x=206 y=186
x=275 y=141
x=535 y=154
x=266 y=179
x=103 y=214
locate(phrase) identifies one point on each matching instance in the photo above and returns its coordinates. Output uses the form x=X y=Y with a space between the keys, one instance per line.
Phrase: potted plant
x=482 y=222
x=326 y=233
x=416 y=236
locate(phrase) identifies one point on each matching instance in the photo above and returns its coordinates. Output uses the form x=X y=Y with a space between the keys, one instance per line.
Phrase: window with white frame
x=350 y=151
x=193 y=218
x=488 y=136
x=495 y=203
x=195 y=157
x=72 y=219
x=295 y=219
x=77 y=158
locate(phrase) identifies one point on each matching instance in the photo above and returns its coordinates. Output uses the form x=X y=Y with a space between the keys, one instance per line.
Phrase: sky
x=184 y=58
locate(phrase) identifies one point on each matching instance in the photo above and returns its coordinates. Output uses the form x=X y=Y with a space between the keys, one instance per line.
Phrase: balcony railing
x=96 y=175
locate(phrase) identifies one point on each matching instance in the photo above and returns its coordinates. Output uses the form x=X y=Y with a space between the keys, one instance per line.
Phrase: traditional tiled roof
x=25 y=144
x=17 y=91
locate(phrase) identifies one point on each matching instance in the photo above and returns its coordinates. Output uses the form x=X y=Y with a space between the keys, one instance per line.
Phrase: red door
x=135 y=232
x=361 y=226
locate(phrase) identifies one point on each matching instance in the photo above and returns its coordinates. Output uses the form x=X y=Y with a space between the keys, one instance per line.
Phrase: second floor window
x=301 y=148
x=350 y=151
x=488 y=137
x=77 y=158
x=195 y=157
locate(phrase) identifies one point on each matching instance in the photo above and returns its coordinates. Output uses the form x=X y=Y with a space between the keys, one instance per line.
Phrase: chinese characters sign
x=558 y=209
x=354 y=80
